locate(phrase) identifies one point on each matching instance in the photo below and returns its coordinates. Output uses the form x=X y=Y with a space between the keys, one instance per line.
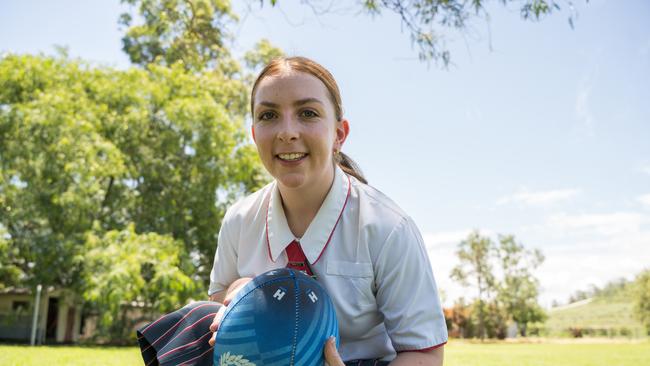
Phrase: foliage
x=475 y=266
x=126 y=271
x=262 y=54
x=459 y=320
x=505 y=285
x=642 y=298
x=9 y=272
x=519 y=289
x=612 y=288
x=192 y=32
x=427 y=20
x=96 y=149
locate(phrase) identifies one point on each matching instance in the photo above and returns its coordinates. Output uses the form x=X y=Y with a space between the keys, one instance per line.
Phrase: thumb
x=331 y=354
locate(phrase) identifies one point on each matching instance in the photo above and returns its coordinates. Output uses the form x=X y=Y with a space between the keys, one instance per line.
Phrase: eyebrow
x=297 y=103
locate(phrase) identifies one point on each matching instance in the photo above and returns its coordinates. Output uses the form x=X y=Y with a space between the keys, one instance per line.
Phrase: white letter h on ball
x=312 y=296
x=279 y=294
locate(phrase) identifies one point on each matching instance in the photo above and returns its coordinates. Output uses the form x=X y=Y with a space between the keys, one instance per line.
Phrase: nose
x=288 y=130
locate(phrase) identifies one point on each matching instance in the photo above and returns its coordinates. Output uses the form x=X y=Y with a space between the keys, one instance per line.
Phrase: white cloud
x=602 y=224
x=586 y=249
x=644 y=199
x=445 y=238
x=539 y=198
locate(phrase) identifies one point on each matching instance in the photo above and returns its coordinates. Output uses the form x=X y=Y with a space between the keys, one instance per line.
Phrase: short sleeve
x=407 y=294
x=224 y=267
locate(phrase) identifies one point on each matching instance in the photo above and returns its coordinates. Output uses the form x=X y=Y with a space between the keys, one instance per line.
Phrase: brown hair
x=303 y=64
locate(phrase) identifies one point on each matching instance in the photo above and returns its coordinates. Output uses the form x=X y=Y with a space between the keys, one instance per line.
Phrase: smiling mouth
x=291 y=156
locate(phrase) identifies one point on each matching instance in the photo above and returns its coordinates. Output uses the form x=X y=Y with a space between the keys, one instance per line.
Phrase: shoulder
x=375 y=207
x=249 y=208
x=382 y=223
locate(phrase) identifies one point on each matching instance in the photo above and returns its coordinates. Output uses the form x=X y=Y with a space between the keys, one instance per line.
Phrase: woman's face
x=296 y=131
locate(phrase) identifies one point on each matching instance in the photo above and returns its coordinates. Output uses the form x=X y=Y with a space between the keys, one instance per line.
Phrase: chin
x=291 y=180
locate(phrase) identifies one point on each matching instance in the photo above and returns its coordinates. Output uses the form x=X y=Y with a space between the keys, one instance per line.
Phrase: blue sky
x=537 y=130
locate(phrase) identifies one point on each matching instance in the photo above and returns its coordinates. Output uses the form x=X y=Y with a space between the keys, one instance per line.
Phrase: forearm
x=225 y=295
x=430 y=358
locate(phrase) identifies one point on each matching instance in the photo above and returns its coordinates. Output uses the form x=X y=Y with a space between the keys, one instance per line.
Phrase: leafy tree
x=86 y=149
x=642 y=298
x=475 y=270
x=9 y=272
x=426 y=20
x=462 y=324
x=192 y=32
x=126 y=272
x=262 y=54
x=502 y=276
x=519 y=289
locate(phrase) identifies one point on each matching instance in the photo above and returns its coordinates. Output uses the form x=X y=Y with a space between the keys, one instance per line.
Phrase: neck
x=302 y=204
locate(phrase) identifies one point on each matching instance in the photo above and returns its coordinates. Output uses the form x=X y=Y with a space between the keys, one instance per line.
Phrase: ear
x=342 y=132
x=253 y=132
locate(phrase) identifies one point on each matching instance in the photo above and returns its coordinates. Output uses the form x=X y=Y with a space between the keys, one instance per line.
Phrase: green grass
x=69 y=356
x=457 y=353
x=547 y=354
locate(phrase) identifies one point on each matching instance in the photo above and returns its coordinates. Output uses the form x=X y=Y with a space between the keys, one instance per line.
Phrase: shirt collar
x=318 y=234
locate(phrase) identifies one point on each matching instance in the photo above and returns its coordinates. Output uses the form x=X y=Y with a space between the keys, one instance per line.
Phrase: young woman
x=363 y=249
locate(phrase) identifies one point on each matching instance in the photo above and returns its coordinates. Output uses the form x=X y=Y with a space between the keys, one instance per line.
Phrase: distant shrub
x=610 y=332
x=576 y=332
x=538 y=330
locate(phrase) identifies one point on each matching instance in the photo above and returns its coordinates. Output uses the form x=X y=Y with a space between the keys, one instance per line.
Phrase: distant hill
x=607 y=314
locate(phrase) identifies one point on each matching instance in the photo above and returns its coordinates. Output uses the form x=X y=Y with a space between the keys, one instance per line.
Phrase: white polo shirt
x=365 y=251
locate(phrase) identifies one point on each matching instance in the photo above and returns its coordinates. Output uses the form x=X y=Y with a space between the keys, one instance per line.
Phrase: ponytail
x=349 y=166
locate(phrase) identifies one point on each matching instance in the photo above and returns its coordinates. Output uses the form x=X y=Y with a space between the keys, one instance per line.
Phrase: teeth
x=291 y=156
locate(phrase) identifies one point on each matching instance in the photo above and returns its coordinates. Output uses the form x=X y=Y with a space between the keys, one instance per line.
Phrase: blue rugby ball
x=281 y=318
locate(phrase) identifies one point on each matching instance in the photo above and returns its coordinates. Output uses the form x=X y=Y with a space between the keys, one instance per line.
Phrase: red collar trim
x=337 y=220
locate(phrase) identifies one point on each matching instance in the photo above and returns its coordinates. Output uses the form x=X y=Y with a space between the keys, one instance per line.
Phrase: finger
x=217 y=319
x=213 y=339
x=331 y=354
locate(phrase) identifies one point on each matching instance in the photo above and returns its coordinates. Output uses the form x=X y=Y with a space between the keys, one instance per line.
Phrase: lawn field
x=457 y=353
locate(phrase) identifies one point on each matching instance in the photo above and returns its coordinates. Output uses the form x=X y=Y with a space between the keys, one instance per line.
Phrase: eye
x=265 y=116
x=308 y=113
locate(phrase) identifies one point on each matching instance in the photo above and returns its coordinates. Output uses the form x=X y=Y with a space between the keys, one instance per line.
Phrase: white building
x=59 y=317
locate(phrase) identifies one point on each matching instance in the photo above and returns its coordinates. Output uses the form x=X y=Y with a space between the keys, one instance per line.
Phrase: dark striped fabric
x=366 y=363
x=179 y=338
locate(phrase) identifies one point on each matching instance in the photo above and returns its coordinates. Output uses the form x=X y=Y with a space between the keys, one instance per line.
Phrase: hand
x=215 y=324
x=332 y=357
x=230 y=294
